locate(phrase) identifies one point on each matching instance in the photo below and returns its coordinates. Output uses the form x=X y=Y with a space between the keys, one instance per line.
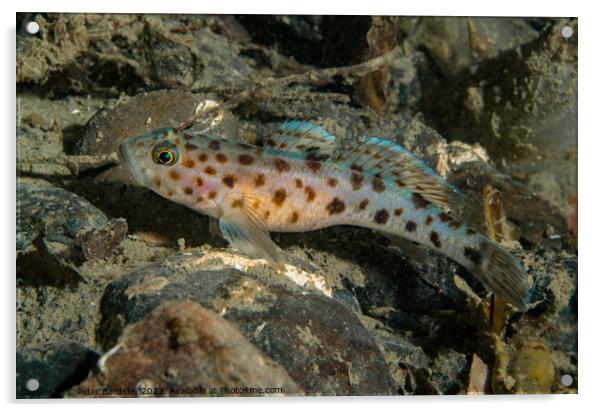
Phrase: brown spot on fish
x=470 y=232
x=399 y=183
x=279 y=197
x=435 y=239
x=256 y=204
x=229 y=180
x=395 y=173
x=419 y=201
x=210 y=171
x=188 y=162
x=212 y=194
x=221 y=158
x=381 y=216
x=188 y=190
x=190 y=146
x=357 y=168
x=157 y=182
x=165 y=133
x=378 y=185
x=332 y=182
x=203 y=157
x=270 y=142
x=177 y=142
x=473 y=255
x=237 y=203
x=266 y=214
x=377 y=156
x=173 y=175
x=444 y=217
x=281 y=165
x=398 y=211
x=169 y=193
x=259 y=180
x=313 y=165
x=336 y=206
x=300 y=146
x=246 y=159
x=214 y=145
x=310 y=193
x=298 y=183
x=454 y=224
x=410 y=226
x=363 y=204
x=140 y=144
x=356 y=181
x=200 y=199
x=187 y=137
x=199 y=181
x=295 y=217
x=428 y=220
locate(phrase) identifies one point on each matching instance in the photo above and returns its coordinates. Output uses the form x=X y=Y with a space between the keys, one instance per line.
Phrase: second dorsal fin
x=389 y=161
x=301 y=138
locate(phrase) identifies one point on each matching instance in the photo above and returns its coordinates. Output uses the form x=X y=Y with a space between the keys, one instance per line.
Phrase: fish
x=298 y=179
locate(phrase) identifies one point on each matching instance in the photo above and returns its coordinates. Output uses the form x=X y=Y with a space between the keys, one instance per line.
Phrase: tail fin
x=501 y=272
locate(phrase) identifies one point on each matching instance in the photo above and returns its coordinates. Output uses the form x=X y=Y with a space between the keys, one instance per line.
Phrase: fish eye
x=166 y=156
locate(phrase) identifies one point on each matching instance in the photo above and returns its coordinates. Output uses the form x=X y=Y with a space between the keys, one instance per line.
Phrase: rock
x=478 y=378
x=298 y=36
x=524 y=115
x=184 y=349
x=52 y=369
x=449 y=370
x=133 y=116
x=58 y=230
x=320 y=343
x=534 y=217
x=102 y=243
x=458 y=42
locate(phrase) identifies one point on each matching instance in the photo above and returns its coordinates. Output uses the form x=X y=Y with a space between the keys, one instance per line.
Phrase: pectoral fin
x=242 y=226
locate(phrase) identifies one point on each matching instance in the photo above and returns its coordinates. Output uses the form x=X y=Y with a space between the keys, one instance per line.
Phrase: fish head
x=160 y=160
x=150 y=155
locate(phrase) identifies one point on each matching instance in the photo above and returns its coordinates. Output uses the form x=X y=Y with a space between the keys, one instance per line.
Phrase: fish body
x=295 y=183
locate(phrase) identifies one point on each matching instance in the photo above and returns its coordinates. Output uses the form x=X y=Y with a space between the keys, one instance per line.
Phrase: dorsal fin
x=383 y=158
x=301 y=138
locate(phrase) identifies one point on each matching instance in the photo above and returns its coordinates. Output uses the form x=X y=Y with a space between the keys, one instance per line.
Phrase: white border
x=590 y=155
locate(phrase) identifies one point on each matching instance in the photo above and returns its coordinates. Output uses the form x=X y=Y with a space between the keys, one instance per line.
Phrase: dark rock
x=458 y=42
x=173 y=64
x=104 y=242
x=56 y=367
x=55 y=230
x=449 y=371
x=524 y=114
x=184 y=349
x=534 y=217
x=130 y=117
x=297 y=36
x=321 y=344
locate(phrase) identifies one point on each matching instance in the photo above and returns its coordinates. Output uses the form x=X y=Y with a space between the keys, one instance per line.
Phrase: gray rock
x=58 y=230
x=321 y=344
x=48 y=371
x=184 y=349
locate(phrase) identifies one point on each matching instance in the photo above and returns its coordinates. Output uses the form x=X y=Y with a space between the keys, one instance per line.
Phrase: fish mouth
x=124 y=159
